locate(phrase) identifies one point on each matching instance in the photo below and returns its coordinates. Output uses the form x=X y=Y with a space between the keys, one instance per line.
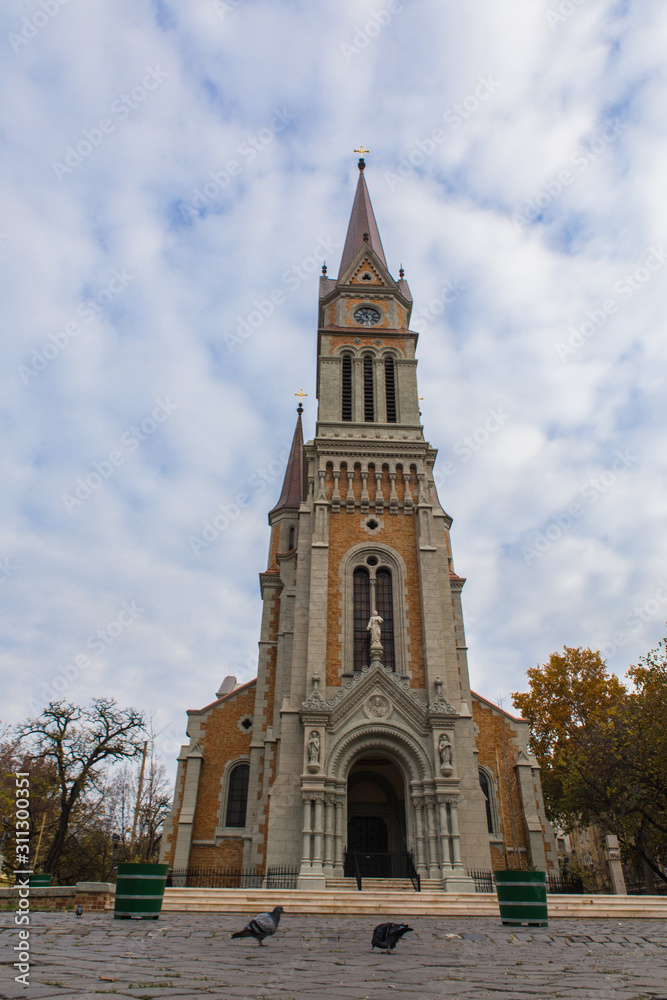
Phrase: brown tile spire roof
x=362 y=228
x=292 y=491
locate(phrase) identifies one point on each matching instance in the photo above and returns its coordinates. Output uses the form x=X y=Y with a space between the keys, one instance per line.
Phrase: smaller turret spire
x=291 y=494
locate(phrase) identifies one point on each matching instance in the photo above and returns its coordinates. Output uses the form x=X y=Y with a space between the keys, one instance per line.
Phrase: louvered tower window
x=347 y=387
x=390 y=389
x=362 y=612
x=385 y=608
x=369 y=407
x=237 y=797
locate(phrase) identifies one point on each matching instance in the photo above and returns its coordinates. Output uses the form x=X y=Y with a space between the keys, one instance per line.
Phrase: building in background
x=360 y=735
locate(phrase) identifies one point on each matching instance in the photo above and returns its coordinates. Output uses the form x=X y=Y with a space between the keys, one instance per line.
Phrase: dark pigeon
x=261 y=926
x=387 y=936
x=79 y=910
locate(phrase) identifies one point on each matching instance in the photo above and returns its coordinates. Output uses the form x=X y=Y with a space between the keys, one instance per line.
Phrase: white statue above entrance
x=374 y=627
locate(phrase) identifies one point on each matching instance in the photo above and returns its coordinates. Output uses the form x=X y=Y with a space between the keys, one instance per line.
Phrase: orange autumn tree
x=603 y=748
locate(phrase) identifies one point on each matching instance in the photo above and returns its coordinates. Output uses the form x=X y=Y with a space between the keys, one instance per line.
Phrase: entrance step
x=380 y=884
x=401 y=904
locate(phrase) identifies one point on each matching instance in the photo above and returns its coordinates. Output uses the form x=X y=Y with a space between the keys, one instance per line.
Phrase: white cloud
x=196 y=276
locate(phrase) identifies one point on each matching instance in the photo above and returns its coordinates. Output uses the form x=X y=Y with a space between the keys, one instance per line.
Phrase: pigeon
x=261 y=926
x=79 y=910
x=387 y=936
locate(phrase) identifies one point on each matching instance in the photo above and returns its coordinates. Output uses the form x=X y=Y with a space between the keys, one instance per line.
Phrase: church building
x=360 y=743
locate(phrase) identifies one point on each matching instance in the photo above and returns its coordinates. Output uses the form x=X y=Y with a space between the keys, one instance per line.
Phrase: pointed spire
x=363 y=227
x=292 y=492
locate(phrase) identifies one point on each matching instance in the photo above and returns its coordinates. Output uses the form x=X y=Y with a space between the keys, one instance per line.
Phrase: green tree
x=78 y=743
x=603 y=748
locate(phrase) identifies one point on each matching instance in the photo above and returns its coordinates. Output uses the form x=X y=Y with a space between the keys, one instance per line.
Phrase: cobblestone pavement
x=329 y=958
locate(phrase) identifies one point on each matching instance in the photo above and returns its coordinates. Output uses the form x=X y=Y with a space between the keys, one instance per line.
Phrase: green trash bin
x=139 y=891
x=522 y=897
x=39 y=881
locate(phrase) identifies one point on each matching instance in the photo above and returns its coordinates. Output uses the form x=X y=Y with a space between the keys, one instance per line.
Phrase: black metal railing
x=217 y=878
x=281 y=878
x=483 y=880
x=363 y=864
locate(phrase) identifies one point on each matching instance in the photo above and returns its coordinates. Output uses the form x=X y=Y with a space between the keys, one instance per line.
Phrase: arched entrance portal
x=376 y=831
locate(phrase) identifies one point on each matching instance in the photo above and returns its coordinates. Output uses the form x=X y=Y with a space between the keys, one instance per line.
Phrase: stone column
x=420 y=860
x=306 y=834
x=456 y=839
x=365 y=499
x=318 y=832
x=434 y=867
x=613 y=856
x=328 y=834
x=338 y=837
x=445 y=846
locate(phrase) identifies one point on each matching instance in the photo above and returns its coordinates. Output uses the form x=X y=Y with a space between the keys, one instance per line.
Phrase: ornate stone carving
x=440 y=705
x=445 y=752
x=377 y=707
x=314 y=751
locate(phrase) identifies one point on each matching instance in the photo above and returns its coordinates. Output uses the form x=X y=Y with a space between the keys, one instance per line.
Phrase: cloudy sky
x=174 y=172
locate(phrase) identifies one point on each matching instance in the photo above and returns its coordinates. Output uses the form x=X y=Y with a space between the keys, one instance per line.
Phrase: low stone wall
x=94 y=897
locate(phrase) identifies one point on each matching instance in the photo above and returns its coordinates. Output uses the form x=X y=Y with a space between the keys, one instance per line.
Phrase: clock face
x=367 y=316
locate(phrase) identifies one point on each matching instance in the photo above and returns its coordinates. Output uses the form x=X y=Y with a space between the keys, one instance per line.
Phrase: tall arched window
x=237 y=796
x=292 y=537
x=362 y=612
x=385 y=608
x=369 y=403
x=486 y=788
x=346 y=413
x=390 y=389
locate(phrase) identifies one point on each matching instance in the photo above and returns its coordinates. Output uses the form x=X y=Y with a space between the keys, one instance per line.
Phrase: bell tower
x=373 y=546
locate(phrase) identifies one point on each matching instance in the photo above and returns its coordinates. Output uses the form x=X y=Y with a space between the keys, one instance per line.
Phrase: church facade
x=360 y=736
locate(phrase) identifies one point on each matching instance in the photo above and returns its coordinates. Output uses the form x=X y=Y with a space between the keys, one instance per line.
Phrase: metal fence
x=233 y=878
x=483 y=880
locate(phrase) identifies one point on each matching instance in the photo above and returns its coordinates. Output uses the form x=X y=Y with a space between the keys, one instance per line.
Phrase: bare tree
x=79 y=741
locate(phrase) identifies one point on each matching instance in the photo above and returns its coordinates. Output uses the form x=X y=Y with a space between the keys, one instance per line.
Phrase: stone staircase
x=399 y=902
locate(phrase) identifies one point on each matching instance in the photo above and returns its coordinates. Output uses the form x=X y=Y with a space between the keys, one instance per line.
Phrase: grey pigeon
x=388 y=935
x=261 y=926
x=79 y=910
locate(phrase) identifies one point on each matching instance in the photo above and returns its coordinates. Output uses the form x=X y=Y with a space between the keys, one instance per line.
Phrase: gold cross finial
x=361 y=150
x=300 y=394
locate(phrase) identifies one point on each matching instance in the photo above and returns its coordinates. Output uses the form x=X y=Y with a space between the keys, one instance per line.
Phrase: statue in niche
x=314 y=747
x=375 y=628
x=445 y=750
